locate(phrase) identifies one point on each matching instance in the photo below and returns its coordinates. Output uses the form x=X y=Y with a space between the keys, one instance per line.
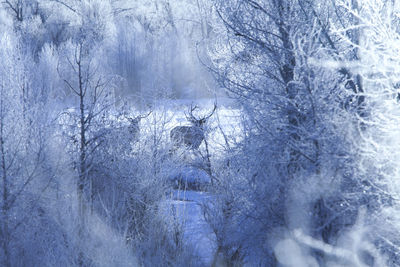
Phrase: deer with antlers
x=133 y=127
x=191 y=136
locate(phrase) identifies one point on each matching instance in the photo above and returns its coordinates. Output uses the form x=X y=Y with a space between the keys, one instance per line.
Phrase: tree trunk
x=5 y=196
x=82 y=209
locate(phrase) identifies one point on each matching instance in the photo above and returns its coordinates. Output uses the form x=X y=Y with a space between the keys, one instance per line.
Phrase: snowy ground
x=197 y=233
x=224 y=129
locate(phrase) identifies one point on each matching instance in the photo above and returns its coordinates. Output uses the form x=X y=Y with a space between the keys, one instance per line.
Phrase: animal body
x=190 y=136
x=134 y=127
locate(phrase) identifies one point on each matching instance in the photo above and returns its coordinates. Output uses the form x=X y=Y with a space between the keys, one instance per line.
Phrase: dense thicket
x=297 y=68
x=308 y=179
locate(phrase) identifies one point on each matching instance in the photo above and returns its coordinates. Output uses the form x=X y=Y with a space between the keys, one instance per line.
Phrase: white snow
x=185 y=206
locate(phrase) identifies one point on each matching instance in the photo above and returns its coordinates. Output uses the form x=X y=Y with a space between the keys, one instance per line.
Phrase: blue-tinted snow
x=190 y=175
x=186 y=208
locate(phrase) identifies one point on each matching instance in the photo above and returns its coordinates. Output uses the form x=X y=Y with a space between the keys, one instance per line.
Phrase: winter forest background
x=290 y=155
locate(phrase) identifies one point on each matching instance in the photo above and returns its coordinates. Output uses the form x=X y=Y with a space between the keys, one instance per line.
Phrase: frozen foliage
x=297 y=164
x=189 y=177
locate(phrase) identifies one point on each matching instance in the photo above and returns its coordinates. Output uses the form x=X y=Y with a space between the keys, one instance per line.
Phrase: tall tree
x=24 y=173
x=93 y=93
x=271 y=66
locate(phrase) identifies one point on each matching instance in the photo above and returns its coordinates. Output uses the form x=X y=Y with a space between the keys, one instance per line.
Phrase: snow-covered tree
x=92 y=97
x=298 y=132
x=26 y=170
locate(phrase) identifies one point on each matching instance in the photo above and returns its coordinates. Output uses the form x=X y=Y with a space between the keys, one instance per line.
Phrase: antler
x=212 y=112
x=139 y=117
x=144 y=116
x=190 y=117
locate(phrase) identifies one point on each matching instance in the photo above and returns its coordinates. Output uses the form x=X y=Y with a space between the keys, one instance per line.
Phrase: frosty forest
x=200 y=133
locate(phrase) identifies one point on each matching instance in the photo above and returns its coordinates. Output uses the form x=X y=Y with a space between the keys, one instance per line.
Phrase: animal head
x=134 y=123
x=190 y=136
x=137 y=119
x=198 y=121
